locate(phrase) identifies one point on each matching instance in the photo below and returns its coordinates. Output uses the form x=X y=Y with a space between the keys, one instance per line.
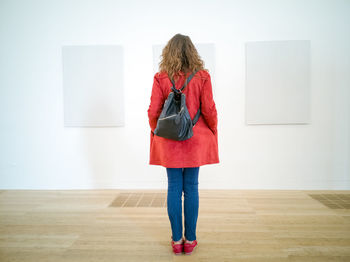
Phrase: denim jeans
x=183 y=180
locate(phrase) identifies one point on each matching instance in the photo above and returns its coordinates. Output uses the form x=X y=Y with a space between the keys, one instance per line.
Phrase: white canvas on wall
x=278 y=82
x=205 y=50
x=93 y=85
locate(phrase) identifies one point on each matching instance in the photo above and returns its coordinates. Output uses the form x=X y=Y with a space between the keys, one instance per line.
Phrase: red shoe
x=177 y=248
x=188 y=247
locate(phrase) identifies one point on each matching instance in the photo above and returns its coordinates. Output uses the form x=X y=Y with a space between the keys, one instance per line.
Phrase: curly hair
x=180 y=55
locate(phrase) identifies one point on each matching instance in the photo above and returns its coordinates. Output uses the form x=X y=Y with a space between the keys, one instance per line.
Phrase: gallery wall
x=37 y=151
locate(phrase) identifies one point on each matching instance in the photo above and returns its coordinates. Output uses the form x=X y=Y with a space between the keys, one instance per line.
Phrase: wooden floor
x=233 y=225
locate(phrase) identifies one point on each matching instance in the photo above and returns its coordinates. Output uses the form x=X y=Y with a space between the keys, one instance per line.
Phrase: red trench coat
x=202 y=147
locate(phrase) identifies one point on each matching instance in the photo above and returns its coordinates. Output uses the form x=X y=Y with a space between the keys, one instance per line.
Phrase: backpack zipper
x=166 y=117
x=171 y=115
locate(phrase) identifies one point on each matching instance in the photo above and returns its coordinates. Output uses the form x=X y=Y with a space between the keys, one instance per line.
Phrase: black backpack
x=175 y=121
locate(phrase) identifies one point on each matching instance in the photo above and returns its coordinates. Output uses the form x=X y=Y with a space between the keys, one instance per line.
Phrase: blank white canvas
x=278 y=82
x=205 y=50
x=93 y=85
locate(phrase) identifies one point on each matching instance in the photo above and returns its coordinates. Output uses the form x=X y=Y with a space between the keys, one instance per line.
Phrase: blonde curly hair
x=180 y=55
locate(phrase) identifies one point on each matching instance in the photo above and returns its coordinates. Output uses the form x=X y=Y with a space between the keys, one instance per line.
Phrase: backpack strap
x=186 y=82
x=196 y=117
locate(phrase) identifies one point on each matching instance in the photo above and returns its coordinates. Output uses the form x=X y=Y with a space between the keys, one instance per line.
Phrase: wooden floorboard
x=233 y=225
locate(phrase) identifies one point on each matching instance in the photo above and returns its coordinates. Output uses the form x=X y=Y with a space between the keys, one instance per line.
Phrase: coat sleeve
x=208 y=107
x=156 y=103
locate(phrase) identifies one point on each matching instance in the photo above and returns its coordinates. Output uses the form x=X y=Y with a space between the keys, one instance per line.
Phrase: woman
x=182 y=159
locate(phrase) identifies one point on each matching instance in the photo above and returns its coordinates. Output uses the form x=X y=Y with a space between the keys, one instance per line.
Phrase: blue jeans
x=183 y=180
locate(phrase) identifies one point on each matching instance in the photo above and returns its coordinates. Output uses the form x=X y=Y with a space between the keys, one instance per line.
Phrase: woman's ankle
x=188 y=241
x=179 y=241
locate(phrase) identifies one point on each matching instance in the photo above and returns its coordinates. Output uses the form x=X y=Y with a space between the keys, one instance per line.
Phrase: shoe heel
x=177 y=248
x=188 y=248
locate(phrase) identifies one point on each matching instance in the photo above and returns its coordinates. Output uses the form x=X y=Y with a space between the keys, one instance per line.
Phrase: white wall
x=38 y=152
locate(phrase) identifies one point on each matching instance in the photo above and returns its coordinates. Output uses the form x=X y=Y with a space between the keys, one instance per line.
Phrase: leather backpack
x=175 y=121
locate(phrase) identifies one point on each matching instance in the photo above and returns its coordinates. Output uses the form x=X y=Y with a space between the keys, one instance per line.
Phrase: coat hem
x=183 y=165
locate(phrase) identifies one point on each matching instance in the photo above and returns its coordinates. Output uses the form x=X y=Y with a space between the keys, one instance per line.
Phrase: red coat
x=202 y=147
